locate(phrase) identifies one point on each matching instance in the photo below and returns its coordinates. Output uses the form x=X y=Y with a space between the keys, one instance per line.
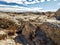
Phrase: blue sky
x=29 y=5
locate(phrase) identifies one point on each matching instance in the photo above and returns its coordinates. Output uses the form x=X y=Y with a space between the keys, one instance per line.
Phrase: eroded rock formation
x=30 y=29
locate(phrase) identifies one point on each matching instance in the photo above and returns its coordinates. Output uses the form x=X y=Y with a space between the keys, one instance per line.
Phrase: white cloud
x=23 y=9
x=23 y=1
x=20 y=1
x=48 y=0
x=16 y=1
x=3 y=5
x=19 y=9
x=42 y=0
x=29 y=2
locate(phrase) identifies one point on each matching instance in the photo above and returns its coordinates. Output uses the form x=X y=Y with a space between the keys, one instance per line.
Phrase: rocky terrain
x=30 y=28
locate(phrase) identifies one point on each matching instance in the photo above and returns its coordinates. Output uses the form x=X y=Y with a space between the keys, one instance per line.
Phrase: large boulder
x=58 y=12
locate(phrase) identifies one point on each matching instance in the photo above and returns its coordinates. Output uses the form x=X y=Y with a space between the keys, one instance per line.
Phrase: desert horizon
x=29 y=22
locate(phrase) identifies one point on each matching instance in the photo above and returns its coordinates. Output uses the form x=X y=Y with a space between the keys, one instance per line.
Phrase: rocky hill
x=58 y=14
x=27 y=28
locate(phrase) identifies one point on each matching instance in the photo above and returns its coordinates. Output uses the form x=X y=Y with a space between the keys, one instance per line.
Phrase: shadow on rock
x=42 y=39
x=20 y=39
